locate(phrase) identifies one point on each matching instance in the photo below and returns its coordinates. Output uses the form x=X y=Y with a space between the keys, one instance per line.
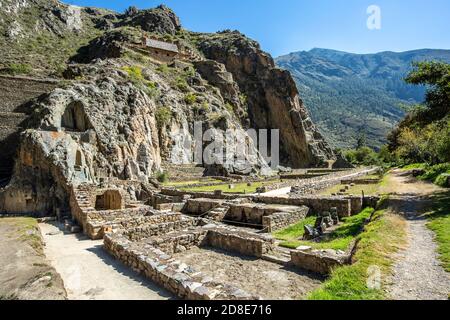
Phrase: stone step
x=277 y=259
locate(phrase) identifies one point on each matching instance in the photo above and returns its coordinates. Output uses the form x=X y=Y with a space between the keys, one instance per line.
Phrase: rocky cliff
x=119 y=113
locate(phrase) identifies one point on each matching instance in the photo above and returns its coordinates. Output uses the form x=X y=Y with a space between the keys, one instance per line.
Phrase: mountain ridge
x=350 y=94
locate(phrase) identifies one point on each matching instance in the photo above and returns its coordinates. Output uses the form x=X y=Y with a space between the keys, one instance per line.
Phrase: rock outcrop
x=120 y=115
x=272 y=97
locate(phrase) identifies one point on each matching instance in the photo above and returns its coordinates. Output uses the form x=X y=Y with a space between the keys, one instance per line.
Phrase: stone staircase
x=279 y=255
x=218 y=213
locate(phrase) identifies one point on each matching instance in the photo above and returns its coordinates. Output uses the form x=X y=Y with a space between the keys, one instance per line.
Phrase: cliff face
x=272 y=96
x=117 y=113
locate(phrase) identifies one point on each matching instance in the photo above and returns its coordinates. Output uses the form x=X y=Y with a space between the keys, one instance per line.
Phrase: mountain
x=356 y=95
x=90 y=96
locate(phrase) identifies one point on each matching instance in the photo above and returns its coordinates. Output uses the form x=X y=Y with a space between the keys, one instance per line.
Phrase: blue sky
x=284 y=26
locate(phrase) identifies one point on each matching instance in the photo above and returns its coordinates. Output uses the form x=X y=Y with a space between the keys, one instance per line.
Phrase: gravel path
x=418 y=274
x=89 y=273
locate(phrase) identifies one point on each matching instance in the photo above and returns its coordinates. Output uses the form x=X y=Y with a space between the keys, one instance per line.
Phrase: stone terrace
x=162 y=258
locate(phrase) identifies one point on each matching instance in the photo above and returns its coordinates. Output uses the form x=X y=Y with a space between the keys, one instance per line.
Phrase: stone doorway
x=110 y=200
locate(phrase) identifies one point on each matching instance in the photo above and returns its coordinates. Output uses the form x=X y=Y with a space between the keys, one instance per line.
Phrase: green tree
x=436 y=76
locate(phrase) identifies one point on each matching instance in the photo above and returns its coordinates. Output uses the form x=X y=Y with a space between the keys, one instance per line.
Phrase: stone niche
x=75 y=118
x=109 y=200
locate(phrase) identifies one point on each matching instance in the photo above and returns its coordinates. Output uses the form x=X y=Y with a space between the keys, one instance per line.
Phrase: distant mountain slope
x=353 y=94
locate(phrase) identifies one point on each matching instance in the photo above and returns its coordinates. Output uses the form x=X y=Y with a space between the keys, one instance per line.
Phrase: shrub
x=432 y=173
x=243 y=98
x=430 y=144
x=203 y=108
x=163 y=116
x=190 y=98
x=134 y=73
x=229 y=107
x=162 y=176
x=163 y=68
x=152 y=89
x=182 y=84
x=362 y=156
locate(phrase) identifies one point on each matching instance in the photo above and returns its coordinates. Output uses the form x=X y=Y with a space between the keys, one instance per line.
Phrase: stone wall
x=319 y=261
x=360 y=181
x=197 y=195
x=253 y=213
x=151 y=230
x=239 y=242
x=175 y=276
x=316 y=204
x=281 y=220
x=95 y=228
x=201 y=205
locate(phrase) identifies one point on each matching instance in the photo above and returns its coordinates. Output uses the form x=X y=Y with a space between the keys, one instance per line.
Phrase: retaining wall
x=281 y=220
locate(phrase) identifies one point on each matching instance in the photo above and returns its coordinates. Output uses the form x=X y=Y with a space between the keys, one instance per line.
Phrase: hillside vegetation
x=352 y=96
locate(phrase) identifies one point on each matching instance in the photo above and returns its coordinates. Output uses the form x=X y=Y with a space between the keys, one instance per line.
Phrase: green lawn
x=189 y=183
x=340 y=239
x=384 y=236
x=295 y=231
x=439 y=222
x=238 y=188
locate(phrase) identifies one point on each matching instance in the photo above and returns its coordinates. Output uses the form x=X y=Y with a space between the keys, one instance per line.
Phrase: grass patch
x=18 y=68
x=439 y=223
x=340 y=239
x=384 y=236
x=238 y=188
x=190 y=183
x=368 y=189
x=292 y=233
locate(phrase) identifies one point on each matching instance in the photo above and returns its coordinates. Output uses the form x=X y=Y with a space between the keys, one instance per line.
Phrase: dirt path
x=418 y=274
x=89 y=273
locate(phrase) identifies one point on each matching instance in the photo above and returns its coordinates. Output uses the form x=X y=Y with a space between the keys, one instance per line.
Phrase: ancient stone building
x=161 y=51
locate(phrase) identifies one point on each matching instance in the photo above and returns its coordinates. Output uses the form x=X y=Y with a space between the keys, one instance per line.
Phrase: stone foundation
x=281 y=220
x=319 y=261
x=242 y=243
x=316 y=204
x=152 y=256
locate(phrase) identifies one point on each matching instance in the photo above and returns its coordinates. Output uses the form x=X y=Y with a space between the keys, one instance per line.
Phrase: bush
x=229 y=107
x=134 y=73
x=243 y=98
x=18 y=68
x=430 y=144
x=190 y=98
x=362 y=156
x=181 y=84
x=203 y=108
x=152 y=89
x=163 y=116
x=162 y=176
x=163 y=68
x=433 y=173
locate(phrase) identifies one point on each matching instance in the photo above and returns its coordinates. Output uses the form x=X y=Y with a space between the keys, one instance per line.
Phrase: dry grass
x=27 y=230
